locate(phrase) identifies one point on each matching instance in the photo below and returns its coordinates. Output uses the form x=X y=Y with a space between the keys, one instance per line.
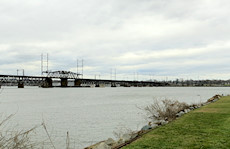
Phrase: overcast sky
x=144 y=39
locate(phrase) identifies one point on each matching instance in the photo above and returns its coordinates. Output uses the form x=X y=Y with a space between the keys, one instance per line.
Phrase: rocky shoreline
x=126 y=139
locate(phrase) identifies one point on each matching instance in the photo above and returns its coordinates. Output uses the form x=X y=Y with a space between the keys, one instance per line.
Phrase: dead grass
x=11 y=139
x=14 y=139
x=23 y=139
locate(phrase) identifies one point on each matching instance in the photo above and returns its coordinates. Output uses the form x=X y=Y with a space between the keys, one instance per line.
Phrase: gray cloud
x=168 y=38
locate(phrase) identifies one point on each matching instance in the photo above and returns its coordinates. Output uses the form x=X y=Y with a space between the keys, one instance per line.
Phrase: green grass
x=207 y=127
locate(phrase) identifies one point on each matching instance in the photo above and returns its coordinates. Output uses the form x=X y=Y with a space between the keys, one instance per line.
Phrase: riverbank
x=206 y=127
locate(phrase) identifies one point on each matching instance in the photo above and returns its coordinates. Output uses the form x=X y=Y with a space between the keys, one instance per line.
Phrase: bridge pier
x=97 y=85
x=77 y=82
x=20 y=84
x=64 y=82
x=48 y=83
x=113 y=85
x=127 y=85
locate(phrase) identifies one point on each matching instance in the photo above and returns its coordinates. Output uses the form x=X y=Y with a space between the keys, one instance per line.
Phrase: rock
x=154 y=126
x=126 y=137
x=110 y=142
x=101 y=145
x=134 y=135
x=186 y=110
x=157 y=122
x=160 y=122
x=120 y=141
x=215 y=100
x=146 y=127
x=163 y=122
x=180 y=114
x=191 y=108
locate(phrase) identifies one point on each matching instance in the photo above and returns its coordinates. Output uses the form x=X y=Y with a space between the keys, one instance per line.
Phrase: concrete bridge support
x=127 y=85
x=47 y=83
x=77 y=82
x=113 y=85
x=97 y=85
x=20 y=84
x=64 y=82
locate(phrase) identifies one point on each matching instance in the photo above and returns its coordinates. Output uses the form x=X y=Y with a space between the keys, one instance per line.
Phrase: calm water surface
x=89 y=114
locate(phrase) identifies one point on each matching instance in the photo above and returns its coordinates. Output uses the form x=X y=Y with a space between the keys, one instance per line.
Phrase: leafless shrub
x=164 y=109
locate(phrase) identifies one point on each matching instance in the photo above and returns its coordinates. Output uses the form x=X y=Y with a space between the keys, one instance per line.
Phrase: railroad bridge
x=63 y=77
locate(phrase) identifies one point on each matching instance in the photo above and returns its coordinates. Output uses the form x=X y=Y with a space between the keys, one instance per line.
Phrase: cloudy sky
x=144 y=39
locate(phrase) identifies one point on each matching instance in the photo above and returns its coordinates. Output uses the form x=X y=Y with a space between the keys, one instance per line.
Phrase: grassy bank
x=206 y=127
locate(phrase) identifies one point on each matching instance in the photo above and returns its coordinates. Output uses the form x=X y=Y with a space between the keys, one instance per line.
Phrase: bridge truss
x=63 y=74
x=13 y=80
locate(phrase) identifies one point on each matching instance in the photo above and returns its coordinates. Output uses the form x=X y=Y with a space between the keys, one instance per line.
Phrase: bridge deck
x=38 y=80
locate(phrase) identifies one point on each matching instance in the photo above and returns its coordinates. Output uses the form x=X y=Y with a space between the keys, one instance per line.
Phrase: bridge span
x=69 y=79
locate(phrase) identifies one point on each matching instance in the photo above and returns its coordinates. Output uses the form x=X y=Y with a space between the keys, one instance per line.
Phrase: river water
x=89 y=115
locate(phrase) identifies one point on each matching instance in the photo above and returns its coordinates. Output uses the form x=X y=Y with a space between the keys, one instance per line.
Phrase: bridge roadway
x=48 y=81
